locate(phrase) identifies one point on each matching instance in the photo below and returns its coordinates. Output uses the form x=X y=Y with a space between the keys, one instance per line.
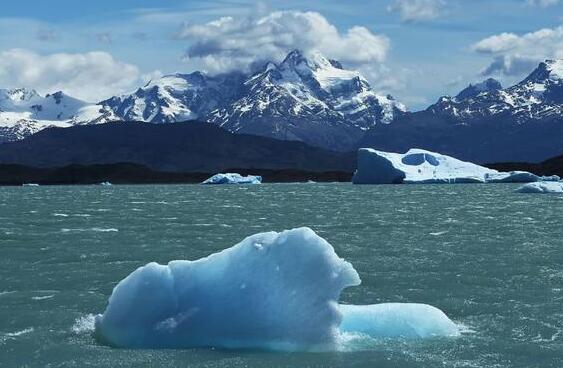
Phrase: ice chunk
x=418 y=166
x=392 y=320
x=542 y=187
x=233 y=178
x=279 y=295
x=511 y=177
x=271 y=291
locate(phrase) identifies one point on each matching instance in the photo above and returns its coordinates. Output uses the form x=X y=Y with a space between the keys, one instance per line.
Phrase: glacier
x=542 y=187
x=273 y=291
x=418 y=166
x=233 y=178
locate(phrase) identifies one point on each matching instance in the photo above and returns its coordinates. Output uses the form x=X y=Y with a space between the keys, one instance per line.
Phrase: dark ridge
x=127 y=173
x=553 y=166
x=174 y=147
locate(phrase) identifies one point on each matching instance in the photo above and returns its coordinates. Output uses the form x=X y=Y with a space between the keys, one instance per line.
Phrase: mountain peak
x=546 y=70
x=19 y=94
x=295 y=57
x=473 y=90
x=313 y=60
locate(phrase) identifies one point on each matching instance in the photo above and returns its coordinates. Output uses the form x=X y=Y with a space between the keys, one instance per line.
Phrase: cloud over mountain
x=515 y=54
x=90 y=76
x=231 y=43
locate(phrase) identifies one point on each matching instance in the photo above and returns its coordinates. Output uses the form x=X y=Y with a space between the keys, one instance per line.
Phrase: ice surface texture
x=275 y=291
x=542 y=187
x=233 y=178
x=418 y=166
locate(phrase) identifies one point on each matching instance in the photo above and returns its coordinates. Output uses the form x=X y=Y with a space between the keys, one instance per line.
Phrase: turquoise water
x=490 y=258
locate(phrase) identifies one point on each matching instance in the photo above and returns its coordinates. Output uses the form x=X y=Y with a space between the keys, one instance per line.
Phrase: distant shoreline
x=127 y=173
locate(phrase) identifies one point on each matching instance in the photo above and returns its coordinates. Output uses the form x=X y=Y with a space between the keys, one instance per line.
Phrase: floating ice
x=425 y=167
x=275 y=291
x=233 y=178
x=392 y=320
x=542 y=187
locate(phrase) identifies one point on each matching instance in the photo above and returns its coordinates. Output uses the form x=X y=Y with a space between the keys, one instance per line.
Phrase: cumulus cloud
x=517 y=54
x=90 y=76
x=542 y=3
x=235 y=43
x=417 y=10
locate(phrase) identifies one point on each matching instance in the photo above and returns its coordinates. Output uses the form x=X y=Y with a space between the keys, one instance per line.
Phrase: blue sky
x=416 y=50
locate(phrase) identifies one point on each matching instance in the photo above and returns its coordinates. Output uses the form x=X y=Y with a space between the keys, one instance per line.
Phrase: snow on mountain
x=474 y=90
x=312 y=99
x=539 y=96
x=24 y=112
x=174 y=98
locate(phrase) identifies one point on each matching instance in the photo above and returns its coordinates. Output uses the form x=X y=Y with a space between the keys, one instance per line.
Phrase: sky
x=415 y=50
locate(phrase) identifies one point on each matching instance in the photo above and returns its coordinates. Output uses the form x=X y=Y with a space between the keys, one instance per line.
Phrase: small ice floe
x=106 y=184
x=30 y=185
x=542 y=187
x=233 y=178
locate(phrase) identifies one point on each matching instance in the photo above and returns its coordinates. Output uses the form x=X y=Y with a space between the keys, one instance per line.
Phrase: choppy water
x=490 y=258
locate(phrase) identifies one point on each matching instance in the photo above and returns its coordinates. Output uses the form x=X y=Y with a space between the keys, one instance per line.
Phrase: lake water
x=490 y=258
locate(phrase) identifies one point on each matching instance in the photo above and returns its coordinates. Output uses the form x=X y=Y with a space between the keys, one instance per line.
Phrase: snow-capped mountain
x=539 y=96
x=474 y=90
x=309 y=99
x=24 y=112
x=175 y=98
x=485 y=122
x=312 y=99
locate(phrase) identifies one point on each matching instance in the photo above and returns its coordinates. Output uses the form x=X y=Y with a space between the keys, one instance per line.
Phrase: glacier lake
x=490 y=258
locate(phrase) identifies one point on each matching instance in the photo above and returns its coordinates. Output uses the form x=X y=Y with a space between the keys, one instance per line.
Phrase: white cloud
x=417 y=10
x=90 y=76
x=517 y=54
x=542 y=3
x=235 y=43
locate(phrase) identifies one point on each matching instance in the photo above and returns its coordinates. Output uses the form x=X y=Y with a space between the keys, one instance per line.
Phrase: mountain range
x=486 y=122
x=315 y=100
x=311 y=99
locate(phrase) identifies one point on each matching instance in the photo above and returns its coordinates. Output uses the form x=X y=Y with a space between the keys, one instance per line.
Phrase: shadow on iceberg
x=275 y=291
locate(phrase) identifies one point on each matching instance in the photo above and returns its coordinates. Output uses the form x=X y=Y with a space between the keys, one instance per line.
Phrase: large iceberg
x=542 y=187
x=233 y=178
x=275 y=291
x=419 y=166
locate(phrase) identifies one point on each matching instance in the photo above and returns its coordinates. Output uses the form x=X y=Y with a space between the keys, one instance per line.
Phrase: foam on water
x=93 y=229
x=276 y=291
x=84 y=324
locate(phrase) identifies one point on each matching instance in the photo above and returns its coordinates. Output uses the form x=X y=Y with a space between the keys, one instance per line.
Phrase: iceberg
x=419 y=166
x=545 y=187
x=233 y=178
x=275 y=291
